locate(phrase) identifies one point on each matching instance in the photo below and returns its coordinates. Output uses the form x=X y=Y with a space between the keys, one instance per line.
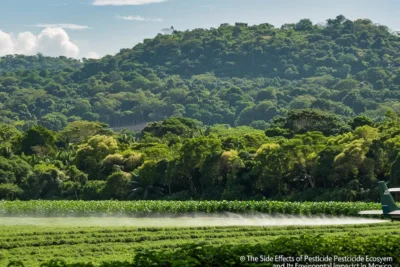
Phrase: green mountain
x=234 y=74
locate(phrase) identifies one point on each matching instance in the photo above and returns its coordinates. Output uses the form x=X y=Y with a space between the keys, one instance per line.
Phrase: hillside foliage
x=302 y=112
x=234 y=74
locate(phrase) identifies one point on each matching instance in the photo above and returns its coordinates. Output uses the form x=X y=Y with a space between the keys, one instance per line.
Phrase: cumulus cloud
x=63 y=26
x=49 y=42
x=6 y=44
x=138 y=18
x=125 y=2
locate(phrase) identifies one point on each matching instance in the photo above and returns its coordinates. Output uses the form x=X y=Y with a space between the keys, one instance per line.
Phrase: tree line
x=307 y=155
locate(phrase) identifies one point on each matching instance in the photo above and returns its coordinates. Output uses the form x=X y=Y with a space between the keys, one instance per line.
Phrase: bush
x=9 y=191
x=92 y=190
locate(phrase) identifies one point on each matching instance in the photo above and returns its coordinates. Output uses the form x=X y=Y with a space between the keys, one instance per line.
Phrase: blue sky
x=91 y=28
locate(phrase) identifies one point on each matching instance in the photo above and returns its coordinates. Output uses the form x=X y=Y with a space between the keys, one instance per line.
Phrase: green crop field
x=35 y=232
x=146 y=208
x=36 y=244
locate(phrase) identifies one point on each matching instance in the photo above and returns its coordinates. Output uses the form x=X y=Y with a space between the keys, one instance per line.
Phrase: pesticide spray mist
x=193 y=219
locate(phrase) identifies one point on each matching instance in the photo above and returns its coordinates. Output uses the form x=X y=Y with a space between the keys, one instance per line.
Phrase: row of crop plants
x=155 y=208
x=386 y=247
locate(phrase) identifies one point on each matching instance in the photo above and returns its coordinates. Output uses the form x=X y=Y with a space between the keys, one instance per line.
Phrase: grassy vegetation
x=146 y=208
x=37 y=244
x=381 y=250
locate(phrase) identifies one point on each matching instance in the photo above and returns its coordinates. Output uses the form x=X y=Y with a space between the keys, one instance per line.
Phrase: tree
x=109 y=164
x=277 y=131
x=272 y=167
x=146 y=182
x=231 y=164
x=54 y=121
x=117 y=186
x=89 y=155
x=305 y=151
x=360 y=121
x=9 y=139
x=44 y=183
x=303 y=25
x=38 y=136
x=267 y=94
x=79 y=131
x=261 y=125
x=7 y=174
x=302 y=121
x=9 y=191
x=350 y=161
x=193 y=153
x=22 y=170
x=180 y=126
x=211 y=172
x=76 y=180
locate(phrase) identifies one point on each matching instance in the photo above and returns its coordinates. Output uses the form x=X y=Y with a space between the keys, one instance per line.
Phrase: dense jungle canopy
x=302 y=112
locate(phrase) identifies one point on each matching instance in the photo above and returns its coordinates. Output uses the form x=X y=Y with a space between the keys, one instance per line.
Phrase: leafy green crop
x=146 y=208
x=201 y=253
x=229 y=255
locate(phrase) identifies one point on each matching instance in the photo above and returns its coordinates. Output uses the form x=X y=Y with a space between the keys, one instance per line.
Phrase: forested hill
x=12 y=63
x=234 y=74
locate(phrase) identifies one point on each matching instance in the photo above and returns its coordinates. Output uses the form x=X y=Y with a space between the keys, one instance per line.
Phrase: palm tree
x=32 y=160
x=66 y=156
x=144 y=188
x=126 y=139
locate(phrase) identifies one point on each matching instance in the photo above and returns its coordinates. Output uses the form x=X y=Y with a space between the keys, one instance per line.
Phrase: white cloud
x=49 y=42
x=55 y=41
x=25 y=43
x=93 y=55
x=6 y=44
x=125 y=2
x=63 y=25
x=138 y=18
